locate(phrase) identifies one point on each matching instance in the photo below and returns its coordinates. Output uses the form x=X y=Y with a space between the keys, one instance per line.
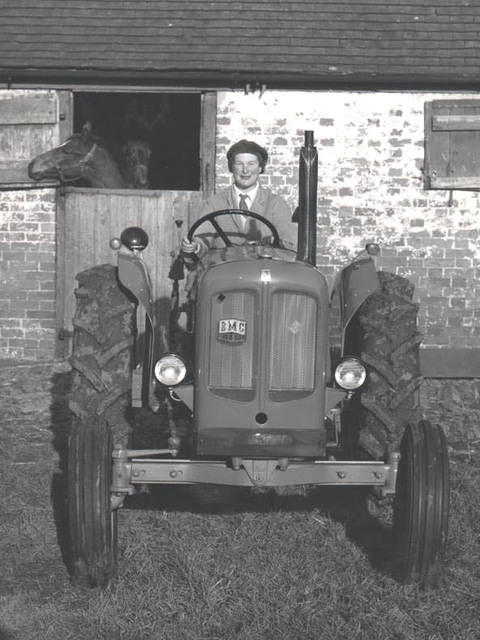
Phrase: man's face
x=245 y=169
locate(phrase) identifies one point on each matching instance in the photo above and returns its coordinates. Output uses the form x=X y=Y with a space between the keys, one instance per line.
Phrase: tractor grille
x=293 y=339
x=235 y=343
x=232 y=352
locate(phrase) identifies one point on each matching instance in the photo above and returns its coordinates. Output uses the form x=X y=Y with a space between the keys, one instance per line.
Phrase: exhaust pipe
x=306 y=214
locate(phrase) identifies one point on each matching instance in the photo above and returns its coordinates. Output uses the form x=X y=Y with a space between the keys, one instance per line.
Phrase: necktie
x=251 y=234
x=242 y=203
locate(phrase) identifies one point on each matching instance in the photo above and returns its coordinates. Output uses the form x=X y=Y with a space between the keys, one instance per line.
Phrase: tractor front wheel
x=93 y=523
x=420 y=509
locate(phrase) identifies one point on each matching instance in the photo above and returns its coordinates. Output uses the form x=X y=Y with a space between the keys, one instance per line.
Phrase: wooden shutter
x=31 y=121
x=452 y=144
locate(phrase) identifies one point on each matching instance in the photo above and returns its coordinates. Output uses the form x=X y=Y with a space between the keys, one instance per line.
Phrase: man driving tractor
x=246 y=161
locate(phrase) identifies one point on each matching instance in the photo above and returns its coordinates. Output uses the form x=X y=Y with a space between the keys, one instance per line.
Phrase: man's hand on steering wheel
x=190 y=241
x=190 y=247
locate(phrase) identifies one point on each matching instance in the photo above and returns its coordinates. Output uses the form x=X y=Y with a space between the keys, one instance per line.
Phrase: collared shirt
x=251 y=195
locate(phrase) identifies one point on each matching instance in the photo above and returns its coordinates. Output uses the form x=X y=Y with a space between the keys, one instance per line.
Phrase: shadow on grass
x=345 y=505
x=61 y=420
x=372 y=534
x=5 y=634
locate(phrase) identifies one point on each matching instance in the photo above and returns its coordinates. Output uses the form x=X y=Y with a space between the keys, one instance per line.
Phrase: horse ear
x=87 y=129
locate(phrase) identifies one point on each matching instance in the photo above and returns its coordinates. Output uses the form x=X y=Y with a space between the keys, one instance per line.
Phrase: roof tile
x=378 y=38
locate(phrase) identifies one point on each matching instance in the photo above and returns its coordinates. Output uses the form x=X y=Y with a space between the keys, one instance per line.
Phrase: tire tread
x=102 y=364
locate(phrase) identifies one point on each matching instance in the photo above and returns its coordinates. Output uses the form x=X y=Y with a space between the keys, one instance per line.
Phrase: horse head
x=136 y=153
x=80 y=157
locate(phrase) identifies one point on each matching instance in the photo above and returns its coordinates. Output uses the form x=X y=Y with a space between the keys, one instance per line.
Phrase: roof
x=276 y=42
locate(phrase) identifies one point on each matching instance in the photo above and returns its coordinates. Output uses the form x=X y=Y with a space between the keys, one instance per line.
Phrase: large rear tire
x=101 y=363
x=389 y=346
x=421 y=504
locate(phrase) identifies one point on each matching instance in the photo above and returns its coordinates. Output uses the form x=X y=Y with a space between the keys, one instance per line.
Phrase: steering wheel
x=212 y=218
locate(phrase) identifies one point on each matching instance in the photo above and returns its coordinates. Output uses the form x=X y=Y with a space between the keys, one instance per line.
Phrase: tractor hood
x=261 y=357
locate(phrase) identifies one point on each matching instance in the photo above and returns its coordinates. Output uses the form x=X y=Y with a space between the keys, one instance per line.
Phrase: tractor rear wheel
x=101 y=362
x=420 y=508
x=389 y=346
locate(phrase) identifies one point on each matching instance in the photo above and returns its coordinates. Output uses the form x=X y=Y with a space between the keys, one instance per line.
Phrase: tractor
x=251 y=387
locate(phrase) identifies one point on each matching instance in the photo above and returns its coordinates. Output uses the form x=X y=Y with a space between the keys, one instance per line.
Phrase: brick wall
x=371 y=153
x=27 y=274
x=370 y=189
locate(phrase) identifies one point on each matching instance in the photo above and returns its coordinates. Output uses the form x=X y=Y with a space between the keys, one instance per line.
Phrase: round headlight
x=350 y=374
x=170 y=370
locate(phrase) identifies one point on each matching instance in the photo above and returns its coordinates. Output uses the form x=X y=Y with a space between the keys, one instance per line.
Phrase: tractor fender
x=356 y=282
x=133 y=275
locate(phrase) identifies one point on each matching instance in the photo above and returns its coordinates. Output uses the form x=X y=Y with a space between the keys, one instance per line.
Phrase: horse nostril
x=141 y=174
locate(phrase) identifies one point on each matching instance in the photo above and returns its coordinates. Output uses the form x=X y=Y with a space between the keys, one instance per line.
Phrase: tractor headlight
x=350 y=374
x=170 y=370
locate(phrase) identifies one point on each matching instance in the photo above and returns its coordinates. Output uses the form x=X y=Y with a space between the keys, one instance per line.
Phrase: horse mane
x=113 y=149
x=110 y=148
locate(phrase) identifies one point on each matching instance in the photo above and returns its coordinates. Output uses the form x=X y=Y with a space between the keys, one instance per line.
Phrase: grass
x=202 y=564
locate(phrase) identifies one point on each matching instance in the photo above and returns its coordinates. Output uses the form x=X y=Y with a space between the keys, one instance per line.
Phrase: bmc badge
x=232 y=331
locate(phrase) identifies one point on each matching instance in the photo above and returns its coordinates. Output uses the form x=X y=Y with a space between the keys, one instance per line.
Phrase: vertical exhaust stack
x=306 y=214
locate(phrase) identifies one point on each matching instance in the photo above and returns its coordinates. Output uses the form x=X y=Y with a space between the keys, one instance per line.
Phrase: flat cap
x=247 y=146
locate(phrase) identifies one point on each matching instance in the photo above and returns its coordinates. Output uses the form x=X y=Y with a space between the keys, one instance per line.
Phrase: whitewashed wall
x=371 y=155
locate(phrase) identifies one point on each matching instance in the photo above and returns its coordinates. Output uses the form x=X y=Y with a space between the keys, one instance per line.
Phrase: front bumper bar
x=131 y=467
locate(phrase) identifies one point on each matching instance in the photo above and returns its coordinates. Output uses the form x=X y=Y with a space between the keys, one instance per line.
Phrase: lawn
x=203 y=564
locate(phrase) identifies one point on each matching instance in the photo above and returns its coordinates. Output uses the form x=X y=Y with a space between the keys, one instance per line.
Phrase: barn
x=389 y=90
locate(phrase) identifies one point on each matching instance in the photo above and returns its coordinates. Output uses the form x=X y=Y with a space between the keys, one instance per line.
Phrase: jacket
x=267 y=204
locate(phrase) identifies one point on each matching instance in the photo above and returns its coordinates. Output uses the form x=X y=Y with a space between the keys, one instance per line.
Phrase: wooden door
x=87 y=219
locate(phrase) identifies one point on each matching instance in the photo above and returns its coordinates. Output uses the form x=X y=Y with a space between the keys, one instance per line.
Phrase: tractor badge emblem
x=232 y=331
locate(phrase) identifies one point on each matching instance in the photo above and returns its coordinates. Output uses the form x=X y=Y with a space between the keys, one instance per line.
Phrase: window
x=175 y=132
x=163 y=126
x=452 y=144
